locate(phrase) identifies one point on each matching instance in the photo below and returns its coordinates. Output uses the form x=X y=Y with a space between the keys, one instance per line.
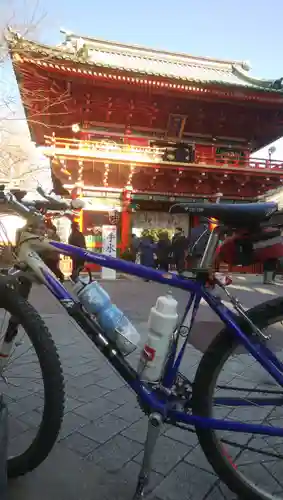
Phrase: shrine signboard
x=109 y=248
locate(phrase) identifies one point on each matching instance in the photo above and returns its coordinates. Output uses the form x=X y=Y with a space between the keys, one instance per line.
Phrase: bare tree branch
x=25 y=17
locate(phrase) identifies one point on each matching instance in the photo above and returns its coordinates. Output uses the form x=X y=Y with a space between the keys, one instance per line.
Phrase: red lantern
x=114 y=217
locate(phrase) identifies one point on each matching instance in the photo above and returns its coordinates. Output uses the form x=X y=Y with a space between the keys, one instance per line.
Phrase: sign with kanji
x=109 y=247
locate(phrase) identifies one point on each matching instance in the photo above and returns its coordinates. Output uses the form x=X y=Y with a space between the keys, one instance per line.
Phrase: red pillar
x=194 y=221
x=126 y=218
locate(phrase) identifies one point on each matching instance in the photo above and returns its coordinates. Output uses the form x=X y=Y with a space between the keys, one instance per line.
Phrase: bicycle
x=174 y=399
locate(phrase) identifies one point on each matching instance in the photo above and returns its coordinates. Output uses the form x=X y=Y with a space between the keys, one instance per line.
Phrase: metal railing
x=249 y=163
x=110 y=150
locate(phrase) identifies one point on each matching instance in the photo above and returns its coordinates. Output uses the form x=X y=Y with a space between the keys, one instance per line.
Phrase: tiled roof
x=151 y=62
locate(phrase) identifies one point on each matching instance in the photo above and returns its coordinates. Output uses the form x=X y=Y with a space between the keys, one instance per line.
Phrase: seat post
x=210 y=249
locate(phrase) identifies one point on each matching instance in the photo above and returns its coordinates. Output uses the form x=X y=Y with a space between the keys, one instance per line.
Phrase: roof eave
x=19 y=45
x=175 y=80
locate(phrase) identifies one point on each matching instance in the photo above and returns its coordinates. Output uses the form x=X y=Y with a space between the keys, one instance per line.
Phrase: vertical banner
x=109 y=247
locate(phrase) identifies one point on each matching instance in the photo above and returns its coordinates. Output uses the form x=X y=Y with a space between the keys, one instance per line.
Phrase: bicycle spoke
x=243 y=379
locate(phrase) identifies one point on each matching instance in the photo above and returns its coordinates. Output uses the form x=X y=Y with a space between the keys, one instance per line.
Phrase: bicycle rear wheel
x=230 y=456
x=32 y=435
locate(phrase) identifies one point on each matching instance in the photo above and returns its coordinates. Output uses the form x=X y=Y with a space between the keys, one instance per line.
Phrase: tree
x=19 y=159
x=17 y=152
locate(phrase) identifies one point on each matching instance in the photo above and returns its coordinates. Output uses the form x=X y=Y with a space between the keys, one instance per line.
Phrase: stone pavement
x=100 y=447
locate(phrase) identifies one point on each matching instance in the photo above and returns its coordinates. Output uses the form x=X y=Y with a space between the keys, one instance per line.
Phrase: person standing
x=76 y=239
x=273 y=265
x=52 y=259
x=270 y=268
x=163 y=249
x=147 y=250
x=134 y=248
x=178 y=249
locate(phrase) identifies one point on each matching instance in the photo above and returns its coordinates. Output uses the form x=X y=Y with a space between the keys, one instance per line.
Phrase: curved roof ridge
x=142 y=50
x=134 y=50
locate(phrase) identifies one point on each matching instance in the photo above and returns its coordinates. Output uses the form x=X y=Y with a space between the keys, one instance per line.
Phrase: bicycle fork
x=155 y=422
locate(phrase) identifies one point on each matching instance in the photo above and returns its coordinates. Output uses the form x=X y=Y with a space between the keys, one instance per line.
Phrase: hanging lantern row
x=80 y=171
x=131 y=173
x=106 y=173
x=64 y=170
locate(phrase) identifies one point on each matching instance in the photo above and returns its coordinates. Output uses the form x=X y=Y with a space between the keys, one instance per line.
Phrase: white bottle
x=162 y=322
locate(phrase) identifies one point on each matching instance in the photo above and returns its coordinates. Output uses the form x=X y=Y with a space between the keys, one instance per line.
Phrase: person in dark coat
x=52 y=259
x=178 y=249
x=77 y=239
x=147 y=250
x=134 y=248
x=163 y=249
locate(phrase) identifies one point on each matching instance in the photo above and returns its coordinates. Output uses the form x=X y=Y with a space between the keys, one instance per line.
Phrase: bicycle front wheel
x=250 y=465
x=32 y=384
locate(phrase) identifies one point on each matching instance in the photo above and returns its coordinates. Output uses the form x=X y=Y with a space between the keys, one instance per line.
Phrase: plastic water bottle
x=112 y=320
x=91 y=295
x=162 y=323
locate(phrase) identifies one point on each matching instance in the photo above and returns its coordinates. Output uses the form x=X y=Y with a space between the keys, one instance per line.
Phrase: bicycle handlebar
x=31 y=210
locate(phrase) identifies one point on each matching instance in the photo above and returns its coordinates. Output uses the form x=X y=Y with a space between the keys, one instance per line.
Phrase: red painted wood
x=253 y=269
x=117 y=102
x=125 y=220
x=203 y=151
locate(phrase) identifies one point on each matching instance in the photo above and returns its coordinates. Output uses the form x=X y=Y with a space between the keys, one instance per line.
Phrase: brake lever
x=54 y=203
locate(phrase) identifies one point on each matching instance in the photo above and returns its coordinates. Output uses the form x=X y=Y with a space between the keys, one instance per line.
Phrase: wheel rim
x=256 y=460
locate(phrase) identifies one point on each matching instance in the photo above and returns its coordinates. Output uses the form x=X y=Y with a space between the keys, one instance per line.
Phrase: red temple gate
x=137 y=129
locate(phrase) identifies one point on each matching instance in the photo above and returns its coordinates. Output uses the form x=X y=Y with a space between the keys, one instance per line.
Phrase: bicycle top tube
x=123 y=266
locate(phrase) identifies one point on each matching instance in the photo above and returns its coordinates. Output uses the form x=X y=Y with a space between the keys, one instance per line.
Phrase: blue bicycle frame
x=152 y=397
